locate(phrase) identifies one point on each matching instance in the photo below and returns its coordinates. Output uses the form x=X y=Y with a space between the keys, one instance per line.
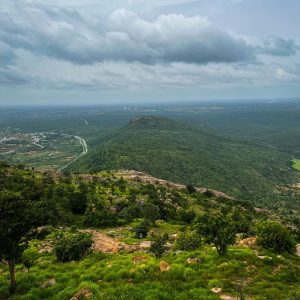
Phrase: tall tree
x=18 y=216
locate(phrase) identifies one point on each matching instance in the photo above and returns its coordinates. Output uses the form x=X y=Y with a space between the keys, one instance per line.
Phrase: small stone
x=84 y=293
x=139 y=259
x=164 y=266
x=216 y=290
x=48 y=283
x=168 y=245
x=174 y=236
x=191 y=261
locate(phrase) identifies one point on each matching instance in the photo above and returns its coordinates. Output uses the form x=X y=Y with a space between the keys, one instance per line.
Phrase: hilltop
x=186 y=154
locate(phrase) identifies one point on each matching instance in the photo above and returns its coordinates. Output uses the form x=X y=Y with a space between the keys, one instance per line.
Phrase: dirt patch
x=104 y=243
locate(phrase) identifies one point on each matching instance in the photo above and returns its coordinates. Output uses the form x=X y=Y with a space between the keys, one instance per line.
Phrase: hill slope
x=175 y=151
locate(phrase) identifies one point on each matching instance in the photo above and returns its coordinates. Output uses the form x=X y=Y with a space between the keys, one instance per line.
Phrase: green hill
x=111 y=210
x=176 y=151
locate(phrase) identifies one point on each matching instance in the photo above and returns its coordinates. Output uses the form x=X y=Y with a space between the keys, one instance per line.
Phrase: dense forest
x=188 y=154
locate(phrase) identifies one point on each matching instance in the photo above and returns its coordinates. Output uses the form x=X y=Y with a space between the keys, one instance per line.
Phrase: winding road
x=83 y=153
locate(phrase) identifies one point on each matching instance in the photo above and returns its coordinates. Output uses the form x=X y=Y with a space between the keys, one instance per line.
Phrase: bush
x=158 y=245
x=187 y=216
x=188 y=242
x=141 y=231
x=190 y=188
x=70 y=247
x=275 y=236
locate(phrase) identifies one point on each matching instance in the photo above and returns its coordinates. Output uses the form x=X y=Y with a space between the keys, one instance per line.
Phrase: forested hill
x=176 y=151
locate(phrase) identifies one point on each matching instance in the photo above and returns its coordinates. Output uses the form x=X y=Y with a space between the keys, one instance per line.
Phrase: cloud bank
x=45 y=45
x=122 y=36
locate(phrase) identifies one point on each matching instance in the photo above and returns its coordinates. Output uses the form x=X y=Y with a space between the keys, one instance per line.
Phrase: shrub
x=70 y=247
x=141 y=231
x=188 y=242
x=158 y=245
x=190 y=188
x=187 y=216
x=275 y=236
x=78 y=202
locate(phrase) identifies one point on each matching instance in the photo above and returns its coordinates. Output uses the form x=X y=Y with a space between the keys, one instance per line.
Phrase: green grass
x=296 y=164
x=117 y=277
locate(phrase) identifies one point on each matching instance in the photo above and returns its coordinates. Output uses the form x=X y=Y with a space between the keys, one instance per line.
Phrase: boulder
x=168 y=245
x=164 y=266
x=174 y=236
x=48 y=283
x=298 y=250
x=84 y=293
x=248 y=242
x=216 y=290
x=145 y=245
x=191 y=261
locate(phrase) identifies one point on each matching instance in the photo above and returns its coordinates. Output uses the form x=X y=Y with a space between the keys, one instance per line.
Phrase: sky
x=137 y=51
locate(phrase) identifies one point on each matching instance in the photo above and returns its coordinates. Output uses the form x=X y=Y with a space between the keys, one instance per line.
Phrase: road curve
x=83 y=153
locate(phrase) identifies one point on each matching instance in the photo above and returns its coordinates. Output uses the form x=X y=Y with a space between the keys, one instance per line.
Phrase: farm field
x=41 y=150
x=296 y=164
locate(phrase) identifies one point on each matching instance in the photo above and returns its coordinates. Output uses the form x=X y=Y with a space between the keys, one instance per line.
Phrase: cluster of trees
x=29 y=200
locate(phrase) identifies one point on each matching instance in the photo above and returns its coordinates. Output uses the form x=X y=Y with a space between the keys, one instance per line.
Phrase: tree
x=217 y=229
x=275 y=236
x=18 y=216
x=29 y=257
x=158 y=245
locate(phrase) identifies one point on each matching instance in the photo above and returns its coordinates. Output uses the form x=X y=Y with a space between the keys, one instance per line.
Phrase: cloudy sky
x=99 y=51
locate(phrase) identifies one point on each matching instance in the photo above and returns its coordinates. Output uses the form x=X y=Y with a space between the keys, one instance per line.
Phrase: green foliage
x=141 y=230
x=150 y=212
x=190 y=188
x=18 y=216
x=78 y=202
x=69 y=247
x=188 y=241
x=187 y=216
x=275 y=236
x=296 y=164
x=29 y=257
x=216 y=228
x=175 y=151
x=158 y=247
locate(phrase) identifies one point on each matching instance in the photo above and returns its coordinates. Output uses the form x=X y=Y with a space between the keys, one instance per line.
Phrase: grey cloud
x=7 y=55
x=122 y=36
x=279 y=47
x=12 y=77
